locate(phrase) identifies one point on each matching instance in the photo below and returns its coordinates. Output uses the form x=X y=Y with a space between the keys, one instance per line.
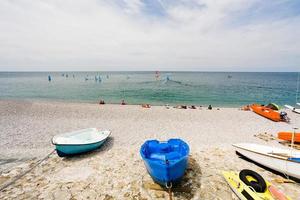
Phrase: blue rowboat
x=166 y=162
x=79 y=141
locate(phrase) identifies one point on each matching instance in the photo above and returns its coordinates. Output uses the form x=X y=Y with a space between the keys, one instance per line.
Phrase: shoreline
x=128 y=104
x=116 y=170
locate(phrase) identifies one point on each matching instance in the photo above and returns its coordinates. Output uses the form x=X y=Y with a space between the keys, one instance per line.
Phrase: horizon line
x=150 y=71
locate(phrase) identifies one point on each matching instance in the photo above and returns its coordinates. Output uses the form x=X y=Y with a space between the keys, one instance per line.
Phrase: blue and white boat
x=166 y=162
x=79 y=141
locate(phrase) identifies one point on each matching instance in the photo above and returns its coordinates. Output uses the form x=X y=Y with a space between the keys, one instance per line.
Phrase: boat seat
x=165 y=156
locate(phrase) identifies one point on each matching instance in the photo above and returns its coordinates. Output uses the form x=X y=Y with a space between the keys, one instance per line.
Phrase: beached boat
x=165 y=161
x=79 y=141
x=295 y=110
x=285 y=161
x=250 y=185
x=288 y=136
x=269 y=113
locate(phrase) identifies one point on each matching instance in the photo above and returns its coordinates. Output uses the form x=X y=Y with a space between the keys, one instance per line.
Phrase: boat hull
x=266 y=112
x=165 y=164
x=67 y=150
x=276 y=163
x=163 y=174
x=288 y=136
x=295 y=110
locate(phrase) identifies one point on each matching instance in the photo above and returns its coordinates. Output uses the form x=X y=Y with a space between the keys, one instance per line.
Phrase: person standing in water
x=49 y=78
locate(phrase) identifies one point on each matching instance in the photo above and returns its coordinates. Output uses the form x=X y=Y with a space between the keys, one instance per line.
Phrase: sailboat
x=278 y=159
x=294 y=109
x=283 y=160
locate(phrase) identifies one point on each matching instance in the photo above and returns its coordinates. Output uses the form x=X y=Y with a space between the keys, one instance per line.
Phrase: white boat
x=286 y=161
x=296 y=110
x=80 y=141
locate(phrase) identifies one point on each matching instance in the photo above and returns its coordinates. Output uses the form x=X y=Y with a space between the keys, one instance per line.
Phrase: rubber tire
x=259 y=185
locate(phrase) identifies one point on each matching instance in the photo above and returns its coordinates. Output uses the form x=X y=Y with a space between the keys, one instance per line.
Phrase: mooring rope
x=170 y=193
x=5 y=185
x=169 y=187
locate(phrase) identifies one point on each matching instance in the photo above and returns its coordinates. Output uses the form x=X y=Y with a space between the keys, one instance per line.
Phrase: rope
x=24 y=173
x=169 y=187
x=170 y=193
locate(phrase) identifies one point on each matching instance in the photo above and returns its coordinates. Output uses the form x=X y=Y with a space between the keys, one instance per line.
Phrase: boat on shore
x=288 y=136
x=285 y=161
x=269 y=113
x=80 y=141
x=166 y=162
x=248 y=184
x=295 y=110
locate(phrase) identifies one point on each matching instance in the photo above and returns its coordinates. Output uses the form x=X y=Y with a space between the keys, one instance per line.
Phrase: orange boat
x=269 y=113
x=288 y=136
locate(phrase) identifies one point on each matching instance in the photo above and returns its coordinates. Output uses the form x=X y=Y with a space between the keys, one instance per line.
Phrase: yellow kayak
x=245 y=192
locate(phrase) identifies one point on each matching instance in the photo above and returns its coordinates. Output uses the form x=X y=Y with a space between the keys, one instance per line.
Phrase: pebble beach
x=116 y=170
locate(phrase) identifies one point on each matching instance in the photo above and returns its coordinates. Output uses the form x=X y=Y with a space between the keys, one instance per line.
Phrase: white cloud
x=119 y=35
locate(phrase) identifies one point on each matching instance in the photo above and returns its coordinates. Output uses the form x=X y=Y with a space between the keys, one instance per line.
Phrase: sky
x=166 y=35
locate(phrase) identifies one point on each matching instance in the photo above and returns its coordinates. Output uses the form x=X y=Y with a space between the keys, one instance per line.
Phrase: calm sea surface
x=200 y=88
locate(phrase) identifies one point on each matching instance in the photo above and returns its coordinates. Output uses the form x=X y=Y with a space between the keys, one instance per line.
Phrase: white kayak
x=278 y=159
x=296 y=110
x=79 y=141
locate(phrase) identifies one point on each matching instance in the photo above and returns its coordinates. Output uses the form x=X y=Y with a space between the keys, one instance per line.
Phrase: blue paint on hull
x=65 y=150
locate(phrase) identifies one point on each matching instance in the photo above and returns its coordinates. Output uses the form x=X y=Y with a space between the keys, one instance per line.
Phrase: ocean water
x=227 y=89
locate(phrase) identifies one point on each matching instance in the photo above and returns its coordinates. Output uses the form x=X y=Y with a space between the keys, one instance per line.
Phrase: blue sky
x=198 y=35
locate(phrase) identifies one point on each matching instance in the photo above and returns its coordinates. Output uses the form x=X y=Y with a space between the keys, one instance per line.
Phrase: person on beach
x=192 y=107
x=209 y=107
x=181 y=107
x=101 y=102
x=123 y=102
x=146 y=106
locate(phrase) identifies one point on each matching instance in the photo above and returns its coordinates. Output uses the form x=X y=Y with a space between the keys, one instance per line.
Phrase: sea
x=221 y=89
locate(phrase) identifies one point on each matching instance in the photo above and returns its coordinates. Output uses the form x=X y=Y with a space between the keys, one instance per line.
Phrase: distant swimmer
x=49 y=78
x=67 y=75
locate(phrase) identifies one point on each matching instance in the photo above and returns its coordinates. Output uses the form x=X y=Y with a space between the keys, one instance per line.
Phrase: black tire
x=259 y=185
